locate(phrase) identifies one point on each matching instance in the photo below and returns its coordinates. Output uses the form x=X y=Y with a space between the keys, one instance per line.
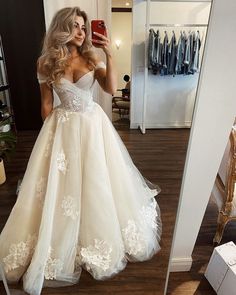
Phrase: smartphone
x=98 y=26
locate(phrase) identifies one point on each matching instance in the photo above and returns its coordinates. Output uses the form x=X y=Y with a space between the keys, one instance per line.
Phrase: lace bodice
x=72 y=97
x=75 y=96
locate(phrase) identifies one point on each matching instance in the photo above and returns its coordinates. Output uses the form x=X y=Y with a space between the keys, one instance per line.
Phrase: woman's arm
x=106 y=78
x=46 y=100
x=46 y=94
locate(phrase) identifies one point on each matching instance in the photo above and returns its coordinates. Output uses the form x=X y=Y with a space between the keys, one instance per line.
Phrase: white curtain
x=95 y=9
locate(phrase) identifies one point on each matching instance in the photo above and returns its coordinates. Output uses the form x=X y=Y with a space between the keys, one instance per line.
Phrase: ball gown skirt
x=82 y=202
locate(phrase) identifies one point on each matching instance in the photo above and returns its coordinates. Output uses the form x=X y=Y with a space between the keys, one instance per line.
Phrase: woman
x=126 y=90
x=82 y=202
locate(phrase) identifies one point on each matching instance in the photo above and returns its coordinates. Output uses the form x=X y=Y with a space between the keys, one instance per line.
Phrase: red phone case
x=98 y=26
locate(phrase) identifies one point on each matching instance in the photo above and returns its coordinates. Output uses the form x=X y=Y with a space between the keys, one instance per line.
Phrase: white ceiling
x=121 y=3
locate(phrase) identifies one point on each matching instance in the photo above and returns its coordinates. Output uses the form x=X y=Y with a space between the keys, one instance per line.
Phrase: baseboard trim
x=162 y=126
x=181 y=264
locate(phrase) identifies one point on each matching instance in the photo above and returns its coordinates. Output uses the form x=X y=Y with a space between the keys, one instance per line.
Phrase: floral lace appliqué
x=41 y=189
x=53 y=266
x=19 y=254
x=49 y=144
x=73 y=98
x=149 y=215
x=133 y=240
x=98 y=255
x=69 y=207
x=62 y=162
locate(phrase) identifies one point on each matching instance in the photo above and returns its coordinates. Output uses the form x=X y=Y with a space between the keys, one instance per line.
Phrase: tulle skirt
x=82 y=204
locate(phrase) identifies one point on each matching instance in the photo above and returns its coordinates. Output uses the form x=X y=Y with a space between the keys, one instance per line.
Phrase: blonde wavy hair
x=55 y=53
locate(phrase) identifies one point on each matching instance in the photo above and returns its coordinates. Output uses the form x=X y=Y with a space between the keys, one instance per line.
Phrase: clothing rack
x=148 y=25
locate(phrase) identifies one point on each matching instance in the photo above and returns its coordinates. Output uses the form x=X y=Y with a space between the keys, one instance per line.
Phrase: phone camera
x=101 y=25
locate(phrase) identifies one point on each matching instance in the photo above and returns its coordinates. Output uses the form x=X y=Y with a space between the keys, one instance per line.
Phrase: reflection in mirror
x=170 y=96
x=162 y=101
x=159 y=155
x=121 y=36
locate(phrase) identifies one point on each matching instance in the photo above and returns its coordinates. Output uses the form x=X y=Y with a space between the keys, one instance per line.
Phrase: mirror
x=121 y=37
x=159 y=154
x=169 y=104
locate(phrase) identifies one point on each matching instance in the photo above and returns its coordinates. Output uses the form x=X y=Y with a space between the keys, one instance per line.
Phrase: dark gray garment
x=172 y=55
x=196 y=51
x=159 y=61
x=185 y=41
x=188 y=54
x=151 y=48
x=165 y=51
x=179 y=67
x=158 y=49
x=192 y=36
x=164 y=55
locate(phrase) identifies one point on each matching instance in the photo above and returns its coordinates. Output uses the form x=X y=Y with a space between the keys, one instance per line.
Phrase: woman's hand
x=103 y=43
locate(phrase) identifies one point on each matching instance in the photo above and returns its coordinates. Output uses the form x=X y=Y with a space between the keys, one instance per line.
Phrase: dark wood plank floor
x=160 y=156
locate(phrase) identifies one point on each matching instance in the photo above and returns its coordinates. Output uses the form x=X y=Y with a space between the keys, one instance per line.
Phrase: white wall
x=121 y=30
x=50 y=7
x=213 y=118
x=170 y=100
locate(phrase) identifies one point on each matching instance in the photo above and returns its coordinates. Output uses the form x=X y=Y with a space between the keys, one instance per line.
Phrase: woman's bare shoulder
x=97 y=59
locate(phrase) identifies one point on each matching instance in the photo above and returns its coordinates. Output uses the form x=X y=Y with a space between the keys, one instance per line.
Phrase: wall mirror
x=152 y=115
x=166 y=114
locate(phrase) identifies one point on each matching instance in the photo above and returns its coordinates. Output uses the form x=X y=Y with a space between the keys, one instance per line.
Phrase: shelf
x=4 y=87
x=7 y=115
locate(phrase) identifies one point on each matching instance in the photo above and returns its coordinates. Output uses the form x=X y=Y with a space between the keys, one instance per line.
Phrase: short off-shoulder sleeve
x=41 y=78
x=100 y=65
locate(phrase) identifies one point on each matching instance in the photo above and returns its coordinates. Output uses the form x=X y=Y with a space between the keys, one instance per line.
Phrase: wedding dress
x=82 y=202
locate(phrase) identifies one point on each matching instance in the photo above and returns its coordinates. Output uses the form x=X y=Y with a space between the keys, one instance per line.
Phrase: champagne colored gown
x=82 y=202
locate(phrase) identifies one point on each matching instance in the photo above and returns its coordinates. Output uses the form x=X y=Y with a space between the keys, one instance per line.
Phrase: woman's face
x=79 y=31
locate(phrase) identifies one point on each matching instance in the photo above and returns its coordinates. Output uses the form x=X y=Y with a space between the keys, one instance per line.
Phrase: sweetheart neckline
x=79 y=78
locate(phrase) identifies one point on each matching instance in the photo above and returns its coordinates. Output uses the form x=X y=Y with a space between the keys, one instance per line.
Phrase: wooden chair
x=122 y=103
x=224 y=192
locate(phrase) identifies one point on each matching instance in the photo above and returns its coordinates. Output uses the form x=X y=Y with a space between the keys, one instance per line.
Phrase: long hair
x=55 y=53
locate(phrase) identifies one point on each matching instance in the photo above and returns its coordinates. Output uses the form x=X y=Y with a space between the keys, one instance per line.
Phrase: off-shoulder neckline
x=89 y=72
